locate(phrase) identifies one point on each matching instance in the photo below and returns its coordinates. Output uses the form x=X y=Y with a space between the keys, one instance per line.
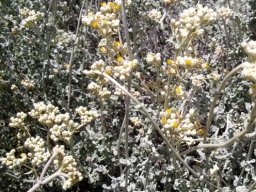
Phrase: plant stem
x=127 y=99
x=72 y=54
x=216 y=97
x=47 y=180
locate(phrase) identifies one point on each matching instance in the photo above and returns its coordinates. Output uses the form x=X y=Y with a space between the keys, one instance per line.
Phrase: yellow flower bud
x=169 y=61
x=119 y=59
x=175 y=124
x=169 y=110
x=108 y=70
x=179 y=90
x=188 y=62
x=103 y=4
x=116 y=7
x=94 y=24
x=205 y=65
x=103 y=50
x=163 y=120
x=201 y=131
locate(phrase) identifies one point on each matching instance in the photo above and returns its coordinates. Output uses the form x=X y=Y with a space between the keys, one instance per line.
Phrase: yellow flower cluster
x=185 y=62
x=105 y=21
x=191 y=62
x=180 y=90
x=179 y=126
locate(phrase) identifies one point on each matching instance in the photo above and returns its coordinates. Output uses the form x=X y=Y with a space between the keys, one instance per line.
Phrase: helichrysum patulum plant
x=127 y=95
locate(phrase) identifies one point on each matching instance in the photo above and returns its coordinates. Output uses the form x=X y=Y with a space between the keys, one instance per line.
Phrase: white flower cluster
x=44 y=113
x=14 y=87
x=122 y=70
x=60 y=125
x=192 y=19
x=31 y=17
x=59 y=149
x=252 y=90
x=103 y=47
x=106 y=21
x=249 y=71
x=24 y=12
x=86 y=115
x=28 y=84
x=197 y=80
x=153 y=58
x=63 y=38
x=63 y=127
x=12 y=161
x=94 y=87
x=68 y=166
x=249 y=68
x=125 y=68
x=214 y=76
x=250 y=50
x=225 y=12
x=39 y=154
x=155 y=15
x=119 y=92
x=18 y=121
x=104 y=93
x=96 y=68
x=183 y=126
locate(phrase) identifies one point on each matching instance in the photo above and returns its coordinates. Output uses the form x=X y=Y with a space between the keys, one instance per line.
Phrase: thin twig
x=72 y=54
x=127 y=99
x=47 y=166
x=47 y=180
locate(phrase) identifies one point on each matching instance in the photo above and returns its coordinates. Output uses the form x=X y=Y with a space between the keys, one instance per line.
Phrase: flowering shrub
x=128 y=95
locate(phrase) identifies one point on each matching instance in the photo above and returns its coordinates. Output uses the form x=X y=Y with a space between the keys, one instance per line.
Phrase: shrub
x=127 y=95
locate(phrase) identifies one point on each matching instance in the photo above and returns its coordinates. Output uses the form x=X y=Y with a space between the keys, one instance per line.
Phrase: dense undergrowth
x=127 y=95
